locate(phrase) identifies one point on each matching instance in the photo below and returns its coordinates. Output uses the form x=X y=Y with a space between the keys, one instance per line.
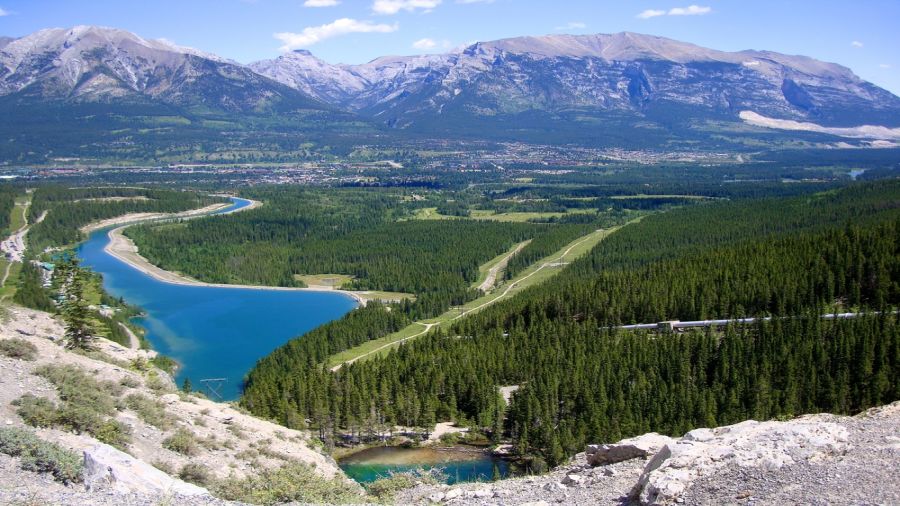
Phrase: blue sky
x=861 y=34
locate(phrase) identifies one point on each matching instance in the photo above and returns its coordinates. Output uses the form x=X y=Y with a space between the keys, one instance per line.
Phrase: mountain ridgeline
x=139 y=99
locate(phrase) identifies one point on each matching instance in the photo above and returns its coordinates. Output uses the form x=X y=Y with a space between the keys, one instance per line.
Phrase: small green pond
x=458 y=464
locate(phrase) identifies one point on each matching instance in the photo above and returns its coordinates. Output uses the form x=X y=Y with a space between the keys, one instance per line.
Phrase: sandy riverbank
x=125 y=250
x=134 y=218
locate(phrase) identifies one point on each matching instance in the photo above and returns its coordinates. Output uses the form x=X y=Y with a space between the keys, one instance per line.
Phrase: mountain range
x=624 y=89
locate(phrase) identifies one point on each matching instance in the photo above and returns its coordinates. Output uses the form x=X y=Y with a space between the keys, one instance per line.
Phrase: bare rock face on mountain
x=88 y=63
x=640 y=76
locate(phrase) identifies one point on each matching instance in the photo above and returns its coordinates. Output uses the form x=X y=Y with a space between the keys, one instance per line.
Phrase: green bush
x=164 y=466
x=295 y=482
x=130 y=382
x=385 y=489
x=150 y=411
x=113 y=432
x=18 y=348
x=182 y=441
x=88 y=405
x=197 y=474
x=76 y=386
x=36 y=411
x=41 y=456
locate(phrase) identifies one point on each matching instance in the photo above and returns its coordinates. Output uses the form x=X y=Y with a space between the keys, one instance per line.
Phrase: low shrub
x=113 y=432
x=130 y=382
x=294 y=482
x=164 y=466
x=41 y=456
x=87 y=405
x=18 y=348
x=157 y=384
x=384 y=490
x=198 y=474
x=149 y=410
x=36 y=411
x=182 y=441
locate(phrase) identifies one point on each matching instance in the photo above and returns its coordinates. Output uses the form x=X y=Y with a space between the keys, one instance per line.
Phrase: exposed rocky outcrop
x=627 y=449
x=814 y=459
x=228 y=442
x=762 y=445
x=108 y=468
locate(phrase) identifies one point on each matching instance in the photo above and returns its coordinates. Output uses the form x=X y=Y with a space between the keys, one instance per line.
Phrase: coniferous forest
x=583 y=380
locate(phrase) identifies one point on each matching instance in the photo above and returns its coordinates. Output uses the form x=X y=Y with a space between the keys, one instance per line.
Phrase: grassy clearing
x=383 y=296
x=17 y=218
x=430 y=213
x=686 y=197
x=8 y=290
x=370 y=346
x=537 y=273
x=329 y=280
x=481 y=214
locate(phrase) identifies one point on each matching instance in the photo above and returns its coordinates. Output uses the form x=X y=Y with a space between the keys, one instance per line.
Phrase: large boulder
x=766 y=445
x=632 y=448
x=106 y=468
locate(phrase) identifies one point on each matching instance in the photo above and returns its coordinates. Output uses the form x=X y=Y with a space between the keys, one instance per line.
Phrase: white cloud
x=3 y=12
x=425 y=43
x=857 y=43
x=313 y=34
x=884 y=66
x=572 y=25
x=395 y=6
x=320 y=3
x=690 y=10
x=651 y=13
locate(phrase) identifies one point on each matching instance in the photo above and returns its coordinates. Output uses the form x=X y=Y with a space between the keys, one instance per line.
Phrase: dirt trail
x=134 y=342
x=491 y=279
x=14 y=246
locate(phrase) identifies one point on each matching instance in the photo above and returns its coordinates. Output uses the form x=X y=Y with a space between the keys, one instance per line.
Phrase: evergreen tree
x=79 y=325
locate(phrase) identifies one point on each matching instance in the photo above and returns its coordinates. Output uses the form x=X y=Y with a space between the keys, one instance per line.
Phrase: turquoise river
x=213 y=332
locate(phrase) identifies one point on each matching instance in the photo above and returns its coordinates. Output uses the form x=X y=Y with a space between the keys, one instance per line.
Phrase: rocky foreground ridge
x=222 y=440
x=813 y=459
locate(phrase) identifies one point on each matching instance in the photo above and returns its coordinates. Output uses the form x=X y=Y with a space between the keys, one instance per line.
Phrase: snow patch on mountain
x=858 y=132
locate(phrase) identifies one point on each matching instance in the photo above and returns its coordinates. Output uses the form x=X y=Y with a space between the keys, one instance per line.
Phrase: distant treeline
x=8 y=196
x=583 y=382
x=69 y=209
x=366 y=234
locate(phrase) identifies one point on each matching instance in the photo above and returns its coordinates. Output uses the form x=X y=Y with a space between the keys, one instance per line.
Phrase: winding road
x=555 y=262
x=14 y=245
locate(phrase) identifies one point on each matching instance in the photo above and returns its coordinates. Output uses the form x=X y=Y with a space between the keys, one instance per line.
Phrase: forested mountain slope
x=582 y=381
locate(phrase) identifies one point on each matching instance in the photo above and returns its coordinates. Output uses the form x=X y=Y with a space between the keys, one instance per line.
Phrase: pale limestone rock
x=453 y=494
x=108 y=468
x=702 y=452
x=573 y=479
x=632 y=448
